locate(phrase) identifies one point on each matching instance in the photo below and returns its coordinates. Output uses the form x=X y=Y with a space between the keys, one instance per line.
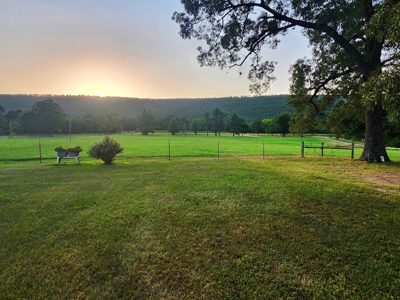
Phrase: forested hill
x=249 y=108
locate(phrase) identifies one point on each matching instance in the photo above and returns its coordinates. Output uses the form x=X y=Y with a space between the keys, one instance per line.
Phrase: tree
x=392 y=132
x=3 y=121
x=244 y=127
x=340 y=123
x=355 y=56
x=12 y=117
x=217 y=121
x=45 y=117
x=256 y=126
x=184 y=123
x=207 y=121
x=146 y=122
x=237 y=125
x=173 y=126
x=234 y=124
x=128 y=123
x=51 y=118
x=281 y=123
x=110 y=123
x=267 y=125
x=27 y=123
x=196 y=124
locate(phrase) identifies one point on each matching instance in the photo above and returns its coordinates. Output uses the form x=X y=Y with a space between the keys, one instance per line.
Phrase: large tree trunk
x=374 y=148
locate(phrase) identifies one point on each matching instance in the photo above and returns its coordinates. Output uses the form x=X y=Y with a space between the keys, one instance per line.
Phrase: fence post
x=302 y=149
x=40 y=152
x=322 y=149
x=352 y=150
x=263 y=150
x=169 y=149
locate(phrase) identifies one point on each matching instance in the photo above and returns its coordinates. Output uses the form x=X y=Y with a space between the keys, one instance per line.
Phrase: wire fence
x=42 y=148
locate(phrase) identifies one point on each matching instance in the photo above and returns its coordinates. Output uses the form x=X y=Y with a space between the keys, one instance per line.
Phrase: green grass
x=158 y=145
x=199 y=228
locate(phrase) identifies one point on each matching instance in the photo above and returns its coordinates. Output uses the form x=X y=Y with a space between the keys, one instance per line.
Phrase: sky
x=126 y=48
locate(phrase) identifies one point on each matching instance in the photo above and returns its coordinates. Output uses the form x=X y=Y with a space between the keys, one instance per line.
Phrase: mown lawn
x=200 y=228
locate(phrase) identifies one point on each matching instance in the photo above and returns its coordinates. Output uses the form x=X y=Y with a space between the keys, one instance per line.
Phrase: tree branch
x=339 y=39
x=322 y=85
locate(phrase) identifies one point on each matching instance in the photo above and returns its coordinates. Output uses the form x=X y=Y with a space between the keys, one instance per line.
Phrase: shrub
x=105 y=150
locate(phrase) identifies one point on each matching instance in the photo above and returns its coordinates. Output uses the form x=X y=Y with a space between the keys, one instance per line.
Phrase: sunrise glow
x=108 y=52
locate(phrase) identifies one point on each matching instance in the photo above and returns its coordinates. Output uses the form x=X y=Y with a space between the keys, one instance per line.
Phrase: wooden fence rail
x=322 y=147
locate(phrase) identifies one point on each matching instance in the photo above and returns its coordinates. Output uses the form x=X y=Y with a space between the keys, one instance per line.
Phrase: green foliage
x=61 y=149
x=107 y=123
x=249 y=108
x=146 y=122
x=256 y=126
x=49 y=117
x=392 y=131
x=46 y=117
x=267 y=125
x=383 y=88
x=173 y=126
x=106 y=150
x=341 y=122
x=237 y=125
x=280 y=124
x=196 y=125
x=128 y=123
x=356 y=53
x=207 y=121
x=217 y=121
x=76 y=149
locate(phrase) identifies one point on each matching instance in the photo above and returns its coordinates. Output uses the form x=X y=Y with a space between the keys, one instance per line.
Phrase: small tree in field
x=105 y=150
x=146 y=122
x=196 y=124
x=173 y=126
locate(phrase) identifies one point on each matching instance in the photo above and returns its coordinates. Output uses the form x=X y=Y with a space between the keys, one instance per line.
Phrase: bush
x=105 y=150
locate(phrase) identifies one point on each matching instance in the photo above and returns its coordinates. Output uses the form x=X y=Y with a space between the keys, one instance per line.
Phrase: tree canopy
x=237 y=125
x=46 y=117
x=354 y=64
x=173 y=126
x=196 y=124
x=217 y=121
x=146 y=122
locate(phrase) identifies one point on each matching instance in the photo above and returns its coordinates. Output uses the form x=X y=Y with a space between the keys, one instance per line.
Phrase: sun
x=101 y=95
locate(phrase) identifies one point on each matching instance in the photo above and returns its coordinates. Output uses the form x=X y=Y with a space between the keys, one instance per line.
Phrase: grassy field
x=159 y=145
x=199 y=228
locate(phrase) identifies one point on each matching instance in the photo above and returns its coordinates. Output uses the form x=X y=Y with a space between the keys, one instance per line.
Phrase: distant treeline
x=48 y=117
x=249 y=108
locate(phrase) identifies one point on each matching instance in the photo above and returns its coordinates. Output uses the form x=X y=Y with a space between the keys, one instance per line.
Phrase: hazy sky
x=115 y=48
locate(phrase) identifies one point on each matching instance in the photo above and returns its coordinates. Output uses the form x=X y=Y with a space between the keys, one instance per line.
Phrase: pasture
x=161 y=145
x=196 y=227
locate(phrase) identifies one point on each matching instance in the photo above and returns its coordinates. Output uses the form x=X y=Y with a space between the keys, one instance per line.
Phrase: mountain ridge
x=249 y=108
